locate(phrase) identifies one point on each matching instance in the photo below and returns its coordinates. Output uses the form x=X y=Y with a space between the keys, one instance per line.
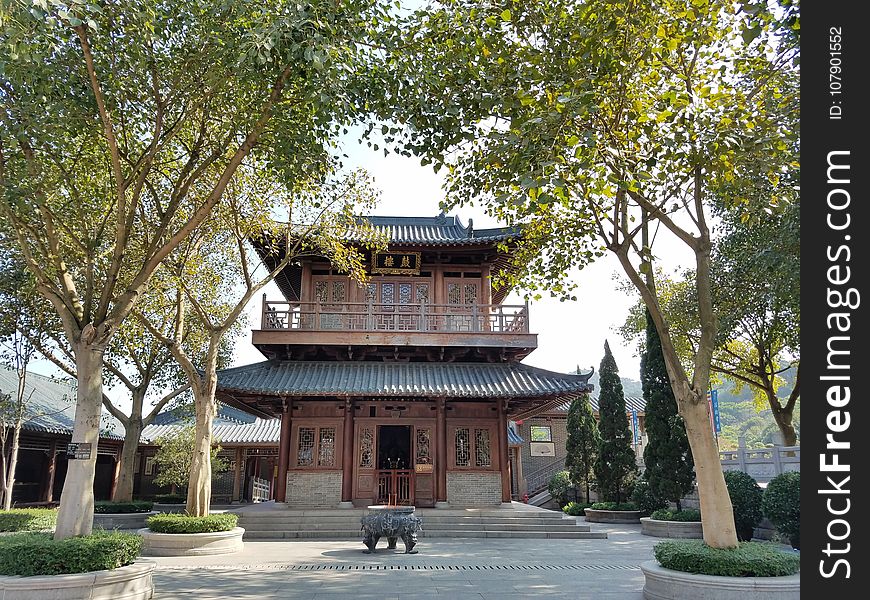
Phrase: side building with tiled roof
x=45 y=434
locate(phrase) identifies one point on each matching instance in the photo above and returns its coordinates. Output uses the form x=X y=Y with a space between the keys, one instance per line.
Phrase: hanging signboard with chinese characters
x=78 y=451
x=396 y=263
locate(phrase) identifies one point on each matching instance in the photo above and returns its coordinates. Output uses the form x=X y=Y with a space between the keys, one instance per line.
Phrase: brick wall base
x=314 y=489
x=480 y=488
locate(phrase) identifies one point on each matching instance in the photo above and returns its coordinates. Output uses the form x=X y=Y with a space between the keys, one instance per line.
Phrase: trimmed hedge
x=179 y=523
x=27 y=519
x=31 y=554
x=781 y=503
x=135 y=506
x=749 y=559
x=575 y=509
x=646 y=500
x=170 y=498
x=687 y=515
x=746 y=500
x=613 y=506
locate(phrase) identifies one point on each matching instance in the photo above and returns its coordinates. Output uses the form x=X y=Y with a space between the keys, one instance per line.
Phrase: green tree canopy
x=581 y=447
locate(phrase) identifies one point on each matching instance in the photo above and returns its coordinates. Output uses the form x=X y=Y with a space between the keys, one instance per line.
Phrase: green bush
x=746 y=497
x=170 y=498
x=575 y=509
x=135 y=506
x=781 y=503
x=27 y=519
x=749 y=559
x=687 y=515
x=560 y=487
x=646 y=500
x=30 y=554
x=178 y=523
x=613 y=506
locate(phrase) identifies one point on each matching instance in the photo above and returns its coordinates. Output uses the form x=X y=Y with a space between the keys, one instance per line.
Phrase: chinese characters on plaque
x=396 y=263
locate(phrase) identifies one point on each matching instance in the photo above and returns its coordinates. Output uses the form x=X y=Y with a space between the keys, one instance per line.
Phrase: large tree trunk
x=719 y=529
x=783 y=420
x=11 y=465
x=124 y=487
x=76 y=513
x=199 y=488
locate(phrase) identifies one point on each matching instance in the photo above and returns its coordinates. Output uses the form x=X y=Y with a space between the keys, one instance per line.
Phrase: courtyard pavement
x=444 y=568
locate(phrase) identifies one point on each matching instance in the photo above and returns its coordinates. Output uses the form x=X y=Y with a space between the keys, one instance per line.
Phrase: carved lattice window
x=422 y=293
x=371 y=292
x=338 y=291
x=463 y=447
x=387 y=293
x=321 y=291
x=367 y=448
x=404 y=293
x=470 y=293
x=326 y=453
x=482 y=451
x=454 y=293
x=424 y=445
x=305 y=452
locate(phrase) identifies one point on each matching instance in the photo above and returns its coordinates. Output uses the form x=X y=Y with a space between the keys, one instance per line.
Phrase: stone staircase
x=279 y=522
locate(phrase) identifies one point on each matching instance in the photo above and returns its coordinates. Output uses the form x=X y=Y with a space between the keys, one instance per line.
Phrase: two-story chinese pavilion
x=398 y=389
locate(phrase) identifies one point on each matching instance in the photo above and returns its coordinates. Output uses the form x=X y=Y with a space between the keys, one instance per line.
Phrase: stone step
x=428 y=519
x=316 y=527
x=446 y=533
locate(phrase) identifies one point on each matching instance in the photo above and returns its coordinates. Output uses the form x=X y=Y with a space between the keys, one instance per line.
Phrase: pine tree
x=668 y=464
x=582 y=445
x=615 y=466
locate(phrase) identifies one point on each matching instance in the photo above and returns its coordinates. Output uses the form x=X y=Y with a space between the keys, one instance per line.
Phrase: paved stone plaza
x=445 y=568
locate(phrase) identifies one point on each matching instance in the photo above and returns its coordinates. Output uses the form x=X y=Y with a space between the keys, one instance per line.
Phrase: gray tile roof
x=441 y=230
x=454 y=380
x=631 y=403
x=259 y=431
x=51 y=407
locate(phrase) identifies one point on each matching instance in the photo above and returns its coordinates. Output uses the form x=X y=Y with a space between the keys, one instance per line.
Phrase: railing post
x=777 y=460
x=528 y=327
x=741 y=453
x=421 y=325
x=475 y=318
x=370 y=322
x=501 y=328
x=317 y=315
x=263 y=324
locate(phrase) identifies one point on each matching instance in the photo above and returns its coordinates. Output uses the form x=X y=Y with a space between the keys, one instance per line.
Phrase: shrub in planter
x=687 y=515
x=575 y=509
x=746 y=497
x=645 y=498
x=134 y=506
x=178 y=523
x=613 y=506
x=781 y=503
x=30 y=554
x=749 y=559
x=27 y=519
x=170 y=498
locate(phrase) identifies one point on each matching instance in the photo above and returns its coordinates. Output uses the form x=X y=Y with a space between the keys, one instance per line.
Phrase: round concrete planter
x=169 y=508
x=612 y=516
x=667 y=584
x=671 y=529
x=132 y=582
x=122 y=520
x=191 y=544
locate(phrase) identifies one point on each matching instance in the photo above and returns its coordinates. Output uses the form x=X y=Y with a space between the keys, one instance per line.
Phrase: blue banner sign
x=635 y=427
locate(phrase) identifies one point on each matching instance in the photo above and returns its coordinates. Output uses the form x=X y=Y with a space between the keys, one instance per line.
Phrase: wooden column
x=115 y=474
x=347 y=453
x=237 y=475
x=283 y=454
x=441 y=450
x=48 y=493
x=503 y=451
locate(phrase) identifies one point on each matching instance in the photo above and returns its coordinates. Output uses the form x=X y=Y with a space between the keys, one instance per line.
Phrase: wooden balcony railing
x=475 y=318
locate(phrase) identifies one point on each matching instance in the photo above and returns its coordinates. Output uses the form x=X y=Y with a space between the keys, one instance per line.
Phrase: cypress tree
x=582 y=445
x=668 y=464
x=615 y=466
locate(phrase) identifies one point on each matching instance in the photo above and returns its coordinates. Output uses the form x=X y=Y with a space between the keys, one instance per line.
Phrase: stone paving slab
x=482 y=569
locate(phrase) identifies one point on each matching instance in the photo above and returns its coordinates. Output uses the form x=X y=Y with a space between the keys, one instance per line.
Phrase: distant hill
x=630 y=387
